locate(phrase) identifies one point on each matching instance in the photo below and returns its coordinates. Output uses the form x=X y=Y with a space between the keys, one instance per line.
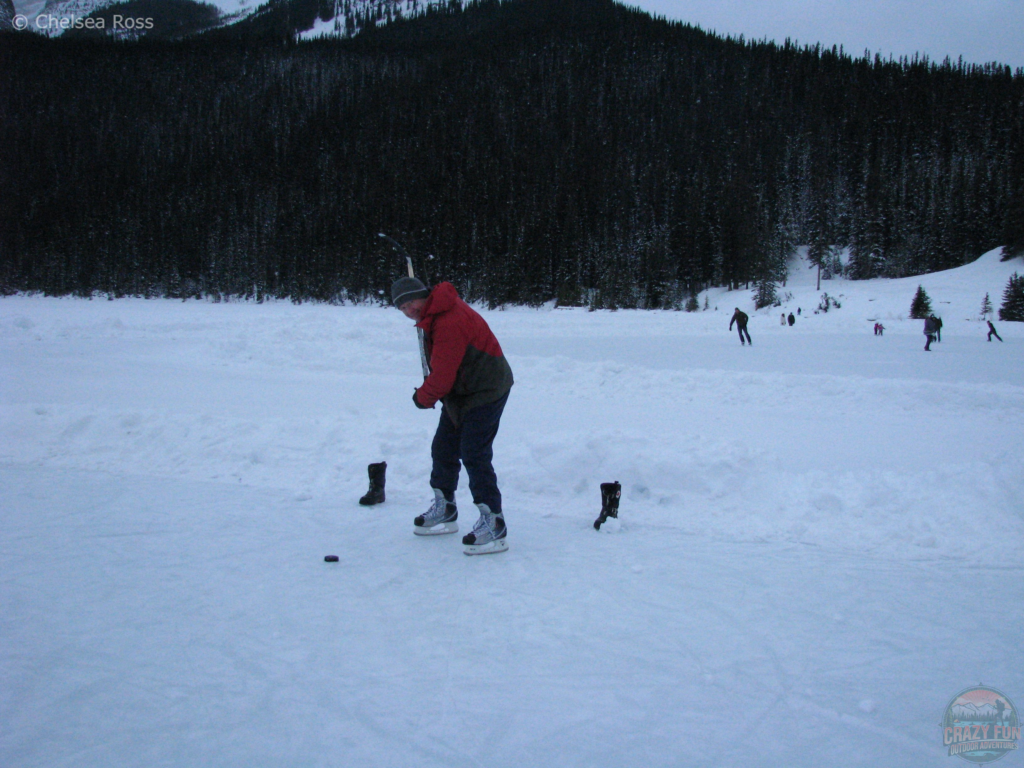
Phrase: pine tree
x=1013 y=300
x=921 y=306
x=765 y=295
x=692 y=305
x=986 y=307
x=554 y=218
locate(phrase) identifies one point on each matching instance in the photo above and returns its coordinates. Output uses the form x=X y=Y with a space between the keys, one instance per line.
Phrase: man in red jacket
x=471 y=378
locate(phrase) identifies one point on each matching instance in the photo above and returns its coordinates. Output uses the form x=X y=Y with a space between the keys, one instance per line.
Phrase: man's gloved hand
x=417 y=402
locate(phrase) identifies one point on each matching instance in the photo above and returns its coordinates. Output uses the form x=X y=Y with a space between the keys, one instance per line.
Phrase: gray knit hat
x=406 y=289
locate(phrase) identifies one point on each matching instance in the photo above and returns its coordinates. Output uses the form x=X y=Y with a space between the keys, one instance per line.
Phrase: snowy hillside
x=813 y=530
x=50 y=17
x=956 y=295
x=53 y=17
x=350 y=17
x=6 y=15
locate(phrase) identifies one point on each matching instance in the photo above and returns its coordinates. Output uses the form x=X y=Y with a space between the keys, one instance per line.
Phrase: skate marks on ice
x=303 y=398
x=150 y=620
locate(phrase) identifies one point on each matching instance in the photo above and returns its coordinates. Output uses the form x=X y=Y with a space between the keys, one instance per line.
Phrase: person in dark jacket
x=938 y=327
x=791 y=319
x=740 y=318
x=471 y=378
x=992 y=331
x=930 y=327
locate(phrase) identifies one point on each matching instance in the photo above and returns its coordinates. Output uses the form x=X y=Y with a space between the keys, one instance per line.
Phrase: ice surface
x=820 y=539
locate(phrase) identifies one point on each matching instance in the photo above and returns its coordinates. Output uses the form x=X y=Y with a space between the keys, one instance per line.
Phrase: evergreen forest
x=526 y=150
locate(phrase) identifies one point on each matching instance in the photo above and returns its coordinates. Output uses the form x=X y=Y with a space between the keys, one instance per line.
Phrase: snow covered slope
x=52 y=17
x=956 y=295
x=812 y=530
x=6 y=15
x=350 y=17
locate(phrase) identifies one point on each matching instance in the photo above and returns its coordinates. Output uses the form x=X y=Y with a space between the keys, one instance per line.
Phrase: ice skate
x=488 y=535
x=439 y=519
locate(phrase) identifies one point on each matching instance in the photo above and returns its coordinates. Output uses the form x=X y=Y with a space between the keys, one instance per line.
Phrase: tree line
x=526 y=150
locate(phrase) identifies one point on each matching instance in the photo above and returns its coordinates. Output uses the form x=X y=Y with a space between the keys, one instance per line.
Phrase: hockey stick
x=419 y=331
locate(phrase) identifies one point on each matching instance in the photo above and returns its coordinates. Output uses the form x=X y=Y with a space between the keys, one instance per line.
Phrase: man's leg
x=479 y=428
x=740 y=329
x=445 y=453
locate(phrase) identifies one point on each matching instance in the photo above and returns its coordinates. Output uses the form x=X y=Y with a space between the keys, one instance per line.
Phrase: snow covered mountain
x=54 y=17
x=311 y=19
x=351 y=17
x=305 y=19
x=6 y=14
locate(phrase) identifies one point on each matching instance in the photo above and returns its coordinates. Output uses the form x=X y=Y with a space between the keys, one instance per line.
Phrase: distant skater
x=782 y=320
x=740 y=318
x=879 y=329
x=992 y=332
x=792 y=319
x=930 y=328
x=938 y=328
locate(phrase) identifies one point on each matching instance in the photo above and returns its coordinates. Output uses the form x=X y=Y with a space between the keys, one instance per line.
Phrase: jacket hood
x=443 y=297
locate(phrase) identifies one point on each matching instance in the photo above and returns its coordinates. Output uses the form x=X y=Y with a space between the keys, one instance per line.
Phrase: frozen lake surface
x=821 y=537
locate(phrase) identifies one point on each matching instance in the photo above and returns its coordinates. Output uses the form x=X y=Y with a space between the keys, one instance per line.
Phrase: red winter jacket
x=467 y=366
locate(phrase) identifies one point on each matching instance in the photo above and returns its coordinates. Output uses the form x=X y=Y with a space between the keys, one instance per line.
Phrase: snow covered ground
x=821 y=536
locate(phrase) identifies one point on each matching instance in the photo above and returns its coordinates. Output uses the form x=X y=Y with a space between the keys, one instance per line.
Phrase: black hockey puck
x=331 y=559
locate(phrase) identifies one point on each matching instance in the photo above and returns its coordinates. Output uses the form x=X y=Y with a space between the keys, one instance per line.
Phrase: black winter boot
x=610 y=493
x=376 y=493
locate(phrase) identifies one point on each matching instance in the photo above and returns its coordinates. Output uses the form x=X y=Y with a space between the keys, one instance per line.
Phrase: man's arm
x=448 y=347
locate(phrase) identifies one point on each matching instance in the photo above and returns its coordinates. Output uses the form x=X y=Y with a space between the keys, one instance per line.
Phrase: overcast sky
x=979 y=30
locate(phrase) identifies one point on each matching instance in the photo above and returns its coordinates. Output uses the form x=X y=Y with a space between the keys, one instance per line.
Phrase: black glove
x=417 y=402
